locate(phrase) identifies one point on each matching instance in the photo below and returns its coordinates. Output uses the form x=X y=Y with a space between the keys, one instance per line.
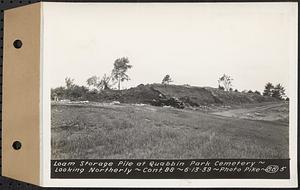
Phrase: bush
x=221 y=87
x=74 y=93
x=257 y=92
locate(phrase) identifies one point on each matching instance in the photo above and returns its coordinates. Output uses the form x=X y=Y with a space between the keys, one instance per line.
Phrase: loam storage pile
x=178 y=96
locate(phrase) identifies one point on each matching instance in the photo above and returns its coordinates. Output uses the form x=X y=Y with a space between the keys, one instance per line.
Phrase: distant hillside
x=158 y=94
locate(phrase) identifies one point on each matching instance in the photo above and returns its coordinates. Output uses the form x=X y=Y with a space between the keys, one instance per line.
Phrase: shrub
x=257 y=92
x=221 y=87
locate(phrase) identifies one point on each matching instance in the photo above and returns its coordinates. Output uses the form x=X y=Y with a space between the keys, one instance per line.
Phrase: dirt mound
x=232 y=98
x=176 y=96
x=188 y=95
x=196 y=96
x=193 y=96
x=140 y=94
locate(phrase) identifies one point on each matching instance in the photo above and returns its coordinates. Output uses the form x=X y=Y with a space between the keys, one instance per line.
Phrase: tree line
x=118 y=75
x=277 y=91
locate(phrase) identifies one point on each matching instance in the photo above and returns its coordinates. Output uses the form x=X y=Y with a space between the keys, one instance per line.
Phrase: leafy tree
x=121 y=66
x=250 y=91
x=268 y=91
x=166 y=80
x=77 y=92
x=226 y=82
x=73 y=93
x=58 y=93
x=69 y=82
x=287 y=99
x=278 y=92
x=93 y=81
x=236 y=90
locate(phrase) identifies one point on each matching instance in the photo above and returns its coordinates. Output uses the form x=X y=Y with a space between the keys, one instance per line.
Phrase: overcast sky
x=194 y=43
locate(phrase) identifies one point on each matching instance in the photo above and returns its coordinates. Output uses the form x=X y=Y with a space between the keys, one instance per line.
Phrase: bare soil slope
x=189 y=95
x=278 y=112
x=209 y=96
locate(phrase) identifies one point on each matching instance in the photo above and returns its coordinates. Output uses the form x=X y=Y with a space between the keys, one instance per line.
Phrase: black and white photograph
x=183 y=82
x=151 y=94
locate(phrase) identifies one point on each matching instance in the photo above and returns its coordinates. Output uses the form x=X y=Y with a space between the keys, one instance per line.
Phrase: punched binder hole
x=18 y=44
x=17 y=145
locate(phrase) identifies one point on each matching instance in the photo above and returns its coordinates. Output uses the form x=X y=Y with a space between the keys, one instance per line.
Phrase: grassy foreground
x=97 y=131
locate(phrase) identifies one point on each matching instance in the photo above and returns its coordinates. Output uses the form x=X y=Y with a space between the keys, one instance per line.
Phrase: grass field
x=102 y=130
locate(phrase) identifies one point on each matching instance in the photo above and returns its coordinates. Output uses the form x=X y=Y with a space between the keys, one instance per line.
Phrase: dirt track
x=271 y=112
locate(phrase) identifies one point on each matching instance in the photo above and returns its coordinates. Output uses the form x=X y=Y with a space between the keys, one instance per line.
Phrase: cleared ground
x=269 y=112
x=102 y=130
